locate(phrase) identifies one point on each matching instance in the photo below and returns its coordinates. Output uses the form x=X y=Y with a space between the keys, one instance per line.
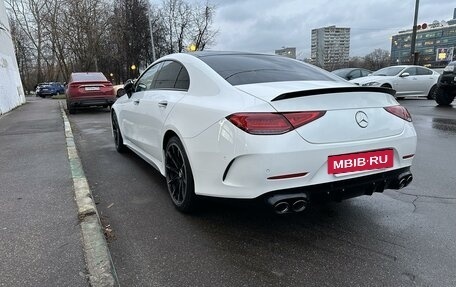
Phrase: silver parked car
x=407 y=80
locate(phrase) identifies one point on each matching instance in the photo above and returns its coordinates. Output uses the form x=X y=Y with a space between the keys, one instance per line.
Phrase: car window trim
x=153 y=83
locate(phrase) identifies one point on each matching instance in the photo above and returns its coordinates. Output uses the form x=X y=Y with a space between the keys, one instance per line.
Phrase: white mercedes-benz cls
x=255 y=126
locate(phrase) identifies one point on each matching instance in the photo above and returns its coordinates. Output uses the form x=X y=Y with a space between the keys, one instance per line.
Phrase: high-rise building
x=287 y=52
x=435 y=44
x=330 y=47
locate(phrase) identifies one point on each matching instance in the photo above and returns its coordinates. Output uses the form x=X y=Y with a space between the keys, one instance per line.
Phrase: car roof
x=408 y=66
x=200 y=54
x=350 y=69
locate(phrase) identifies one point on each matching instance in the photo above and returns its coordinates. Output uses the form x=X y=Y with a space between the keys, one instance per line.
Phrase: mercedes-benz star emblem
x=361 y=119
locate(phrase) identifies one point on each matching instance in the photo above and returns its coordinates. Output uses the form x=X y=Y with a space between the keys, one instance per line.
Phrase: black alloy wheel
x=179 y=176
x=118 y=140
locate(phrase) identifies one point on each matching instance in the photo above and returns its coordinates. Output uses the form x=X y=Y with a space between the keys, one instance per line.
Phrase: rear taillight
x=272 y=123
x=73 y=85
x=399 y=111
x=298 y=119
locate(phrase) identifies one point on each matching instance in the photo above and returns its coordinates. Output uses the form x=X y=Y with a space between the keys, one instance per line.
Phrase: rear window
x=88 y=77
x=241 y=69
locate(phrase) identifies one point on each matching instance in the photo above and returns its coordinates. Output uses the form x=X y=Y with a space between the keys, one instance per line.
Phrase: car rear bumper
x=348 y=188
x=90 y=102
x=47 y=93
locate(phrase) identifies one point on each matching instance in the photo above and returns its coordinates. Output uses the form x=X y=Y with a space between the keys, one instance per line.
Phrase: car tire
x=118 y=139
x=431 y=95
x=120 y=92
x=443 y=97
x=69 y=108
x=179 y=176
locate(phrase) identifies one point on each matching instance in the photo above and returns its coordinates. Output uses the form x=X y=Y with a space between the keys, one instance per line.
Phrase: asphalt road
x=404 y=238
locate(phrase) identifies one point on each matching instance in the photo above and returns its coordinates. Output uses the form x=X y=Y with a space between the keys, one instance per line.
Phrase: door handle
x=136 y=102
x=162 y=104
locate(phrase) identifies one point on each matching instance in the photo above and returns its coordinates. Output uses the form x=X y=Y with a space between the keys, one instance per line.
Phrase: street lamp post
x=414 y=55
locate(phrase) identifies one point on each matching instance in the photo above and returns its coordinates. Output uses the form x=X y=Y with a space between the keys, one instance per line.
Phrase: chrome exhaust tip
x=401 y=181
x=281 y=207
x=285 y=203
x=401 y=184
x=408 y=180
x=299 y=205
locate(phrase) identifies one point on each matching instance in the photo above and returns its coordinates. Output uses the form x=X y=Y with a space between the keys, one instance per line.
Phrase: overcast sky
x=266 y=25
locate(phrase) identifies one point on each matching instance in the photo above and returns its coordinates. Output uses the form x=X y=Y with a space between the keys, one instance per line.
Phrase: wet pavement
x=40 y=237
x=395 y=238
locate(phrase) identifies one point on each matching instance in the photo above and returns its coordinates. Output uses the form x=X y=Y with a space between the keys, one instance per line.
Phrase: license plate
x=92 y=88
x=361 y=161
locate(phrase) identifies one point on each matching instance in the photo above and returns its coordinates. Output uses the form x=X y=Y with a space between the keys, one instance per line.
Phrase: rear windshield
x=251 y=69
x=88 y=77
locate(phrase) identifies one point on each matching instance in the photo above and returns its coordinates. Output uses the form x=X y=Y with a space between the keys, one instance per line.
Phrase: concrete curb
x=98 y=259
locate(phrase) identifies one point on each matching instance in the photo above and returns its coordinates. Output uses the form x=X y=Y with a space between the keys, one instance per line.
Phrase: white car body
x=231 y=163
x=420 y=81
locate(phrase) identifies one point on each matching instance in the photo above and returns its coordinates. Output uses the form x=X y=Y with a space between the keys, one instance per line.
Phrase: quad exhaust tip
x=402 y=181
x=287 y=203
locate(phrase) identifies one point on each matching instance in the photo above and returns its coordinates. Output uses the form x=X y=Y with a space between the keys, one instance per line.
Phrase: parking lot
x=397 y=238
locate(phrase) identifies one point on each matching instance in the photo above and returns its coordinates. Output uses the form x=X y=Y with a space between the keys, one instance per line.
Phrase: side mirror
x=405 y=74
x=129 y=87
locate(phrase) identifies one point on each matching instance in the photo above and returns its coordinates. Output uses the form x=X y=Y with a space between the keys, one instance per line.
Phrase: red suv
x=89 y=89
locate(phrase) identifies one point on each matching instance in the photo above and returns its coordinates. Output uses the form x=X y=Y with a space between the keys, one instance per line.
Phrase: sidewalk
x=40 y=236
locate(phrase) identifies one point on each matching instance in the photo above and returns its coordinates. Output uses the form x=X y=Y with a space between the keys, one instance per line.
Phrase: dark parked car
x=49 y=89
x=89 y=89
x=352 y=73
x=446 y=85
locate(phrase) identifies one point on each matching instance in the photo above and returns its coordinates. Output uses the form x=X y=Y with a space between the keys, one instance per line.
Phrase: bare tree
x=188 y=25
x=24 y=54
x=203 y=33
x=56 y=37
x=357 y=62
x=83 y=29
x=28 y=16
x=55 y=33
x=377 y=59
